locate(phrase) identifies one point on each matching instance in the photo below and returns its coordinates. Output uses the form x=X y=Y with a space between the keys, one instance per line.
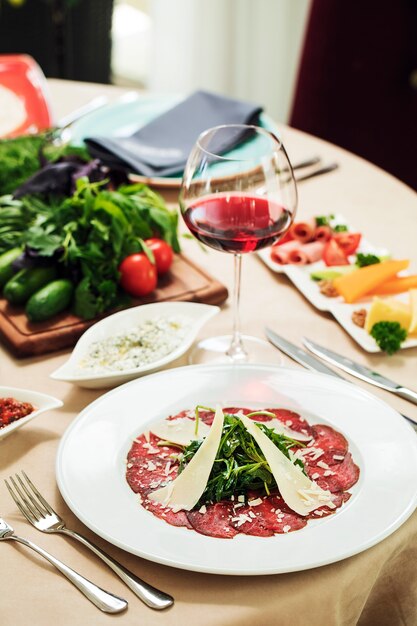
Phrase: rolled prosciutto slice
x=280 y=254
x=323 y=233
x=303 y=232
x=307 y=253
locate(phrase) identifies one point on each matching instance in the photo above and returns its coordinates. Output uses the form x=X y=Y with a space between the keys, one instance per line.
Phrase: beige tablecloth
x=377 y=587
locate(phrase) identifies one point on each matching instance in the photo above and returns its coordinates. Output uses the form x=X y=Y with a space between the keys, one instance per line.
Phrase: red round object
x=163 y=254
x=349 y=242
x=138 y=276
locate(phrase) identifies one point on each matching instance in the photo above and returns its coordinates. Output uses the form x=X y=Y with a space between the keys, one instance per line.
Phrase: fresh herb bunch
x=239 y=465
x=389 y=336
x=89 y=234
x=324 y=220
x=22 y=156
x=363 y=260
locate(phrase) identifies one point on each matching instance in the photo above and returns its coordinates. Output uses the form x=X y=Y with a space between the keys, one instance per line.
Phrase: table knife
x=360 y=371
x=309 y=361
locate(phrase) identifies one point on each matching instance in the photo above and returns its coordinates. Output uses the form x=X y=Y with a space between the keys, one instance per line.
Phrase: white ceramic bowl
x=40 y=401
x=198 y=314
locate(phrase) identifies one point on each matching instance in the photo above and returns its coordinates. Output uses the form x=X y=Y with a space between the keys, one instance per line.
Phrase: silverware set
x=359 y=371
x=42 y=516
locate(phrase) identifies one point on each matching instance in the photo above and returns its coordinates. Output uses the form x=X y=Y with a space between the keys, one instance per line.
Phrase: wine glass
x=238 y=195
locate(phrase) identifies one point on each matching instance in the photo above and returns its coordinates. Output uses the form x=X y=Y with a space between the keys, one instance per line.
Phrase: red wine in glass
x=237 y=223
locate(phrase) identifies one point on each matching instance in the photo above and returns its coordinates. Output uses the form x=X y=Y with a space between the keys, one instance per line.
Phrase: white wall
x=243 y=48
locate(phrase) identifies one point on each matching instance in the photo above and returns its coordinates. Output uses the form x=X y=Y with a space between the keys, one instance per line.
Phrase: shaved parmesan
x=299 y=492
x=185 y=491
x=180 y=431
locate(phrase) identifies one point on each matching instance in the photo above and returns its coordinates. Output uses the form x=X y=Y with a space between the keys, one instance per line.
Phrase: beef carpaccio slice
x=326 y=458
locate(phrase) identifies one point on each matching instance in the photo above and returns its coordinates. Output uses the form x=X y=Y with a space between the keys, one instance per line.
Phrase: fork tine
x=36 y=504
x=23 y=500
x=39 y=495
x=30 y=518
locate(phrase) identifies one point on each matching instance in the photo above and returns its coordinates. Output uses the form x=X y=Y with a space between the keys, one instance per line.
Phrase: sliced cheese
x=184 y=492
x=360 y=282
x=413 y=307
x=300 y=493
x=389 y=310
x=277 y=426
x=180 y=430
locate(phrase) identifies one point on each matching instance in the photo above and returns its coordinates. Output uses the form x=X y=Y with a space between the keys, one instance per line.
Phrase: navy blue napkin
x=161 y=148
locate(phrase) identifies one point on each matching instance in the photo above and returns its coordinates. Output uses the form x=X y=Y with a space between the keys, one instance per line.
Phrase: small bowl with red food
x=20 y=406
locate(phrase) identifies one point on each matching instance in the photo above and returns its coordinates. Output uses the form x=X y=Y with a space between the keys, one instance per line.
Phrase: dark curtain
x=357 y=82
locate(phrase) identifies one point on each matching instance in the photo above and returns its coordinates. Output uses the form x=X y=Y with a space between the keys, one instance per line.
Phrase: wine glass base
x=214 y=349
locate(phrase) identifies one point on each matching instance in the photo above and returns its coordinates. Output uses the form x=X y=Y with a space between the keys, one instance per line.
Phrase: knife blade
x=298 y=354
x=360 y=371
x=310 y=362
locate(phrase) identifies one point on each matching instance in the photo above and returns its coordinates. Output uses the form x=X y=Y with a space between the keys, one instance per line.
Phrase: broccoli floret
x=362 y=260
x=388 y=335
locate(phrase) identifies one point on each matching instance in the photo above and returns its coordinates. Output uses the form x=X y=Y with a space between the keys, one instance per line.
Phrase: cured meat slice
x=303 y=231
x=280 y=254
x=215 y=521
x=326 y=438
x=146 y=474
x=339 y=498
x=291 y=420
x=307 y=253
x=323 y=233
x=337 y=478
x=149 y=447
x=235 y=409
x=167 y=514
x=314 y=456
x=268 y=517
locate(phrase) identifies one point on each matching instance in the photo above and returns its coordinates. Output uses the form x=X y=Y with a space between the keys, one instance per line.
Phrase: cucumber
x=332 y=272
x=23 y=284
x=50 y=300
x=6 y=261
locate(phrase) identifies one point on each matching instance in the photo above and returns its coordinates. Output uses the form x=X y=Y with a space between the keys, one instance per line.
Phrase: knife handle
x=407 y=394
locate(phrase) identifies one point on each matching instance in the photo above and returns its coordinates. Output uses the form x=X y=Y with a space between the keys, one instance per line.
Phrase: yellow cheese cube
x=389 y=310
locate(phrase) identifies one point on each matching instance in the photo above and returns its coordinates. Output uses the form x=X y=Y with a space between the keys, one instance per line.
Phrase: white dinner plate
x=91 y=468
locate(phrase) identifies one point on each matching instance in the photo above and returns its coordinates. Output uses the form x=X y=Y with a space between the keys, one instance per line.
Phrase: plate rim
x=360 y=547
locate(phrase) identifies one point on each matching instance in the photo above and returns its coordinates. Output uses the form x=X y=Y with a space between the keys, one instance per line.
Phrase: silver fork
x=42 y=516
x=106 y=602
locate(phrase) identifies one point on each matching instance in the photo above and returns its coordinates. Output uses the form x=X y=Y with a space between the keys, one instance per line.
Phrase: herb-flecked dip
x=241 y=494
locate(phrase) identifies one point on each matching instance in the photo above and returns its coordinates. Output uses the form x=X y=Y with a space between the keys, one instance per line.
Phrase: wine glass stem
x=236 y=349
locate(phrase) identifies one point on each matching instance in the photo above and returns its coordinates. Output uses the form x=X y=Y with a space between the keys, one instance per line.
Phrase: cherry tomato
x=137 y=275
x=163 y=254
x=333 y=254
x=347 y=241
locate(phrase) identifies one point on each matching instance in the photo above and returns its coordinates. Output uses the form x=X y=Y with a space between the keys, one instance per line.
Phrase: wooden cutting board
x=186 y=282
